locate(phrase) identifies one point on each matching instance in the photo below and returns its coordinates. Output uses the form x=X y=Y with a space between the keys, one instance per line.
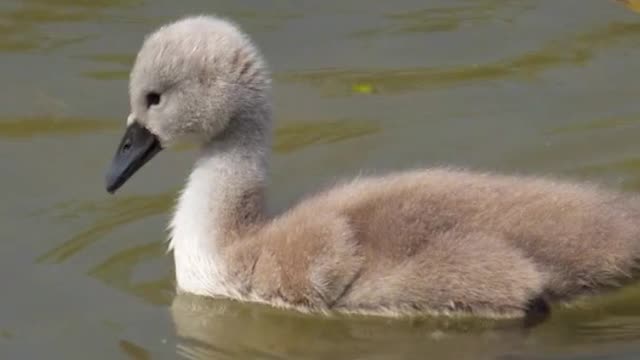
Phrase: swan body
x=433 y=241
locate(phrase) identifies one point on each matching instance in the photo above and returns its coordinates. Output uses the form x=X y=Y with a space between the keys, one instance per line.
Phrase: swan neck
x=223 y=200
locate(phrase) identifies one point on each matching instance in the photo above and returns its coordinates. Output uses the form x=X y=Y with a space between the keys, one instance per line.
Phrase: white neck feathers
x=224 y=195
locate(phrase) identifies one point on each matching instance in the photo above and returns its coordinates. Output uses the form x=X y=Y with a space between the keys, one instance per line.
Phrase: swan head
x=190 y=80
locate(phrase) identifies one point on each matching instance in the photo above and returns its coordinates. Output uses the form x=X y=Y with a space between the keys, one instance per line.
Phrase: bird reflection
x=225 y=329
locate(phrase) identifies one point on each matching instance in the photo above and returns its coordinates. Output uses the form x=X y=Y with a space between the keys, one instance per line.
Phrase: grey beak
x=138 y=146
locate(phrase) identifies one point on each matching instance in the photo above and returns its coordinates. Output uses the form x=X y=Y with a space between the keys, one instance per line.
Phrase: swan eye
x=153 y=98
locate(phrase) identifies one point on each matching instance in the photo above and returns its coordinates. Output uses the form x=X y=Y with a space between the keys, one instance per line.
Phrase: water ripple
x=575 y=51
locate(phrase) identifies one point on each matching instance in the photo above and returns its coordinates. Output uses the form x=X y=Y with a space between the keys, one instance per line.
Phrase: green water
x=539 y=86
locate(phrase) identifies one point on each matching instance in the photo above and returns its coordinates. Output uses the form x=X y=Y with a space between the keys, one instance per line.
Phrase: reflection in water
x=574 y=51
x=117 y=66
x=122 y=62
x=297 y=135
x=134 y=351
x=289 y=137
x=629 y=167
x=117 y=272
x=6 y=334
x=107 y=74
x=598 y=324
x=21 y=26
x=598 y=124
x=224 y=329
x=611 y=329
x=633 y=5
x=442 y=18
x=625 y=168
x=267 y=18
x=27 y=127
x=113 y=213
x=116 y=59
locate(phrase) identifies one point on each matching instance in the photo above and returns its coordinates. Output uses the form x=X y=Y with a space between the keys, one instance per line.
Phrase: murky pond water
x=535 y=86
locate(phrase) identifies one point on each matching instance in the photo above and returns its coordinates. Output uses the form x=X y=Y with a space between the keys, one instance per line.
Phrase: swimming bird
x=438 y=241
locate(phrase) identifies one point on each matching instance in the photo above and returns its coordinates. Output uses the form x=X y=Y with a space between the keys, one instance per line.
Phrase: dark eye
x=153 y=98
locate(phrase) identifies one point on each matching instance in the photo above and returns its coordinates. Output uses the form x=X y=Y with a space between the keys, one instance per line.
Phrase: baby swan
x=436 y=241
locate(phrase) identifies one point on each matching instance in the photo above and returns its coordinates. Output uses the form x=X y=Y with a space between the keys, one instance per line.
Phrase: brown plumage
x=438 y=241
x=443 y=241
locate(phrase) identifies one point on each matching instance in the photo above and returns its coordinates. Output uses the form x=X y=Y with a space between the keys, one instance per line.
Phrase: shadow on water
x=574 y=51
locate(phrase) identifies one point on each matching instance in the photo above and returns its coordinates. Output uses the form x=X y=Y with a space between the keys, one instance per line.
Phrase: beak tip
x=141 y=146
x=110 y=189
x=112 y=183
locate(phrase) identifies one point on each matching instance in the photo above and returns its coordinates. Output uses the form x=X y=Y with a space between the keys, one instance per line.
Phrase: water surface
x=519 y=86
